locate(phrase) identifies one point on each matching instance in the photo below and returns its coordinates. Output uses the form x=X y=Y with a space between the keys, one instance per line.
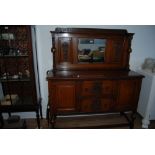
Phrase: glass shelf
x=19 y=101
x=13 y=56
x=15 y=80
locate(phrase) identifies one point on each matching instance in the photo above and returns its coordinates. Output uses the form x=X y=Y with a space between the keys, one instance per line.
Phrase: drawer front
x=98 y=96
x=97 y=105
x=91 y=88
x=108 y=87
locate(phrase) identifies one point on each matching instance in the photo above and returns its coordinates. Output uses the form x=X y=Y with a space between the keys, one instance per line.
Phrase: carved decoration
x=53 y=49
x=130 y=40
x=65 y=51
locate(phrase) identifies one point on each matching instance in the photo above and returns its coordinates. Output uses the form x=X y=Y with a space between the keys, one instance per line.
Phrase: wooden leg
x=41 y=114
x=130 y=118
x=53 y=120
x=133 y=117
x=40 y=108
x=38 y=118
x=48 y=115
x=1 y=120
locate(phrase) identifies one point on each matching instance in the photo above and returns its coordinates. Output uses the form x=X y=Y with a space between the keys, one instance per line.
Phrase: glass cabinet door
x=15 y=67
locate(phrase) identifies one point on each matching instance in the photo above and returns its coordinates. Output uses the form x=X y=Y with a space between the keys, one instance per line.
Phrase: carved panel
x=65 y=50
x=115 y=46
x=117 y=51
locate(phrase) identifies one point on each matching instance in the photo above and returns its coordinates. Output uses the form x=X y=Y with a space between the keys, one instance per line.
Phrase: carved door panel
x=65 y=50
x=98 y=96
x=127 y=98
x=116 y=47
x=65 y=97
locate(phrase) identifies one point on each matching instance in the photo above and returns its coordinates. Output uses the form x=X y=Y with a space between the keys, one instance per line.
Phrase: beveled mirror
x=91 y=50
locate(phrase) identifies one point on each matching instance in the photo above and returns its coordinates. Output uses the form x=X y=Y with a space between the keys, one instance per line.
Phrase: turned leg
x=53 y=120
x=130 y=118
x=48 y=114
x=133 y=117
x=41 y=114
x=40 y=108
x=1 y=120
x=38 y=118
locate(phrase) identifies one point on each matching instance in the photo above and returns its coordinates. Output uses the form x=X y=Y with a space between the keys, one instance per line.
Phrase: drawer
x=108 y=87
x=97 y=105
x=90 y=88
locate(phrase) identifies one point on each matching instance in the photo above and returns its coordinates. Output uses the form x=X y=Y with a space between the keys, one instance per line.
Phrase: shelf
x=18 y=101
x=15 y=80
x=23 y=104
x=13 y=56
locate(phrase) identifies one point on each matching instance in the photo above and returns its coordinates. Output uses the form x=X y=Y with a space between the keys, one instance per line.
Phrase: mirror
x=91 y=50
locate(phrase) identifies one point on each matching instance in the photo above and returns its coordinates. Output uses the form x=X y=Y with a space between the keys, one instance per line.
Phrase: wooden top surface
x=90 y=30
x=88 y=75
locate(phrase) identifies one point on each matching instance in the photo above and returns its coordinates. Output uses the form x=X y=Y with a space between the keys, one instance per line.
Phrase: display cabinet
x=91 y=73
x=18 y=71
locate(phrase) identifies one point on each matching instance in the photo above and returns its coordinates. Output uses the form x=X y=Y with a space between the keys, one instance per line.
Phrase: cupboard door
x=128 y=94
x=65 y=97
x=98 y=96
x=116 y=47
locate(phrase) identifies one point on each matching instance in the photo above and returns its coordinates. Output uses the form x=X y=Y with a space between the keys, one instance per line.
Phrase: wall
x=143 y=46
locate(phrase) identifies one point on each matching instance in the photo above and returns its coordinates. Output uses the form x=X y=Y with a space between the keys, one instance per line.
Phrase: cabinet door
x=128 y=94
x=64 y=97
x=116 y=47
x=98 y=96
x=18 y=67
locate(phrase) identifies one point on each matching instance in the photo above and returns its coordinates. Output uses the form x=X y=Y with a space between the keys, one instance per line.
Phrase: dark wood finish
x=87 y=88
x=17 y=59
x=116 y=53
